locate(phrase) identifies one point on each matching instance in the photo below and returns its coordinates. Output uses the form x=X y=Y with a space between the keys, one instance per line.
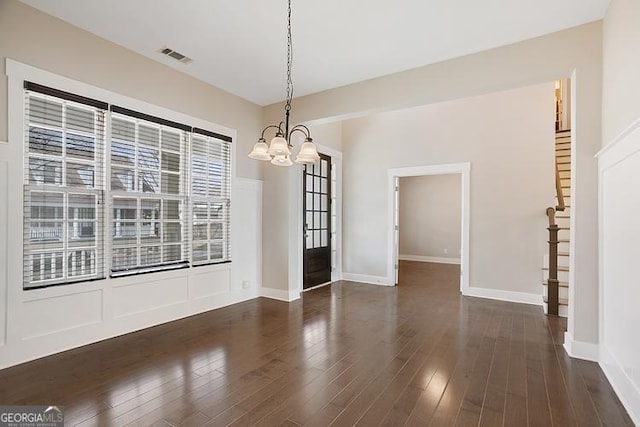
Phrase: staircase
x=562 y=219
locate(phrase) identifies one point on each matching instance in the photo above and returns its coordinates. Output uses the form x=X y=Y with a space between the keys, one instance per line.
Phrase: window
x=63 y=188
x=166 y=186
x=210 y=197
x=148 y=193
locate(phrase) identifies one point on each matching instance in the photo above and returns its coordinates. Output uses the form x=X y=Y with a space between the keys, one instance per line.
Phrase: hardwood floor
x=346 y=354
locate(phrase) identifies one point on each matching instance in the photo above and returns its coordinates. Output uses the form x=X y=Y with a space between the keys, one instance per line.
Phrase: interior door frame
x=296 y=226
x=464 y=170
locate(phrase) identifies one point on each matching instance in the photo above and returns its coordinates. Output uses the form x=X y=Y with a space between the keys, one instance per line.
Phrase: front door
x=317 y=223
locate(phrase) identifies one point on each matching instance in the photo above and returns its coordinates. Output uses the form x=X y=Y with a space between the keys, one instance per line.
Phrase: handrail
x=561 y=206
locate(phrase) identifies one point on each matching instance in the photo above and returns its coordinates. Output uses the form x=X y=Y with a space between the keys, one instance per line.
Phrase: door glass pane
x=325 y=202
x=324 y=168
x=309 y=201
x=309 y=220
x=316 y=239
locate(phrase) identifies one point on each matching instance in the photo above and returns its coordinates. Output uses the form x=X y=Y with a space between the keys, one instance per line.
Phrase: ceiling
x=240 y=45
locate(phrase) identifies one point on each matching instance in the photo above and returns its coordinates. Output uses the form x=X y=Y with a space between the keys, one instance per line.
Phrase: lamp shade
x=308 y=153
x=279 y=147
x=282 y=160
x=260 y=151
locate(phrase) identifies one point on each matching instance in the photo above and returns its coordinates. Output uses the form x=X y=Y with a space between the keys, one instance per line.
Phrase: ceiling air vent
x=176 y=55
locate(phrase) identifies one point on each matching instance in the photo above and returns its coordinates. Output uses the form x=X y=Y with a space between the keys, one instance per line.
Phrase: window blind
x=210 y=197
x=63 y=187
x=149 y=189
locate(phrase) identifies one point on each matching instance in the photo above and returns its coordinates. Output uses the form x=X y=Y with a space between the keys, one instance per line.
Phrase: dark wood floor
x=347 y=354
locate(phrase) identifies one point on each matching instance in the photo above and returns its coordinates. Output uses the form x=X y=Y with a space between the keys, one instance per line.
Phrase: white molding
x=619 y=149
x=580 y=349
x=624 y=388
x=278 y=294
x=364 y=278
x=501 y=295
x=621 y=137
x=435 y=259
x=464 y=169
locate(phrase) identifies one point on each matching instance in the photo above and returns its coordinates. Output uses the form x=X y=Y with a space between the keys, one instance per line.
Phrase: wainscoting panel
x=61 y=314
x=619 y=180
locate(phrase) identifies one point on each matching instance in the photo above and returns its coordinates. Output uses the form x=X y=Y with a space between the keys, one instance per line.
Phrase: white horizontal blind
x=63 y=188
x=149 y=188
x=210 y=197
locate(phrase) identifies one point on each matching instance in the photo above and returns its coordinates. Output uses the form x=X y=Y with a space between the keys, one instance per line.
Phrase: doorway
x=429 y=223
x=317 y=200
x=463 y=171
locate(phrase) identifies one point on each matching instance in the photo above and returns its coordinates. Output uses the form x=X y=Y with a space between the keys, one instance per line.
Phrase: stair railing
x=552 y=282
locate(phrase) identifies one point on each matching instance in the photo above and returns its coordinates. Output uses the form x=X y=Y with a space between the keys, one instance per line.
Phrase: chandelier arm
x=270 y=127
x=304 y=129
x=300 y=128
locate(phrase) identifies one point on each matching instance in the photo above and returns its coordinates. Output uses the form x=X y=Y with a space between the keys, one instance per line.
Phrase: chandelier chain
x=289 y=59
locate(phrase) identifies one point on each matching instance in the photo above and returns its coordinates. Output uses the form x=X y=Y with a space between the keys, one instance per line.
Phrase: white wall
x=430 y=218
x=507 y=137
x=619 y=165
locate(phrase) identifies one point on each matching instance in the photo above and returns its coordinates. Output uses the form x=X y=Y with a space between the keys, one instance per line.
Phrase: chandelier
x=278 y=152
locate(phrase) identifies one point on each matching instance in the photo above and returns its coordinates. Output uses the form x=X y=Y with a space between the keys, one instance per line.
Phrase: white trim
x=436 y=259
x=464 y=169
x=363 y=278
x=621 y=136
x=277 y=294
x=580 y=349
x=623 y=386
x=322 y=285
x=509 y=296
x=622 y=147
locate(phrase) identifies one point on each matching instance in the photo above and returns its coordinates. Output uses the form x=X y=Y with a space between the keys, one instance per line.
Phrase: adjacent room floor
x=417 y=354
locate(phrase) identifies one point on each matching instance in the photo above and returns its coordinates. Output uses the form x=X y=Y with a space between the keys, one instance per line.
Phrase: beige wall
x=621 y=70
x=530 y=62
x=430 y=216
x=508 y=139
x=34 y=38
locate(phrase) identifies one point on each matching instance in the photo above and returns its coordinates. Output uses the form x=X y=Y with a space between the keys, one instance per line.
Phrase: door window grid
x=317 y=204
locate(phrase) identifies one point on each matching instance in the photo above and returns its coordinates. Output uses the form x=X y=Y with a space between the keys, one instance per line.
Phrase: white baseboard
x=497 y=294
x=580 y=349
x=436 y=259
x=278 y=294
x=363 y=278
x=625 y=389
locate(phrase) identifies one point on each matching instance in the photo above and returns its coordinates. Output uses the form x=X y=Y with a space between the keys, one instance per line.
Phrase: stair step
x=563 y=253
x=560 y=268
x=560 y=284
x=563 y=131
x=561 y=301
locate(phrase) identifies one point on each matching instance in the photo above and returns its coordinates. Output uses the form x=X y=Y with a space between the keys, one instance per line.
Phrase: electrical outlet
x=446 y=251
x=245 y=284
